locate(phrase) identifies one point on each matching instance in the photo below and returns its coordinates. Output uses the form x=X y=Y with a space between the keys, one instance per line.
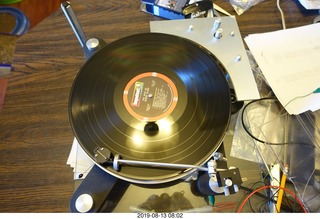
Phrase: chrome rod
x=74 y=23
x=104 y=156
x=165 y=165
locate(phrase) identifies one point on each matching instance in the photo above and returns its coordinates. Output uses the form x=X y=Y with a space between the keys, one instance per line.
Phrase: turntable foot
x=98 y=192
x=84 y=203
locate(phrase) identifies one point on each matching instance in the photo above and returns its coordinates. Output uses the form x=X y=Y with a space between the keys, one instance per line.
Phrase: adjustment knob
x=226 y=191
x=93 y=44
x=236 y=188
x=217 y=24
x=218 y=34
x=84 y=203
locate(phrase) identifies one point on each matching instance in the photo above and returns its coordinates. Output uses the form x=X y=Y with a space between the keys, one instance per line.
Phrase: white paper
x=310 y=4
x=290 y=62
x=79 y=160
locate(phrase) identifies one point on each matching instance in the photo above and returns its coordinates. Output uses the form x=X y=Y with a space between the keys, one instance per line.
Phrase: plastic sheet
x=240 y=6
x=259 y=113
x=293 y=141
x=299 y=157
x=255 y=116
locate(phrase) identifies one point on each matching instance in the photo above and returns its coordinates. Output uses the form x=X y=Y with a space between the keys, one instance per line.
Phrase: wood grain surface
x=35 y=10
x=35 y=134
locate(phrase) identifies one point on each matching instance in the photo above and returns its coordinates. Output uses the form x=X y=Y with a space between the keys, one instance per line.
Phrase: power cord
x=278 y=187
x=316 y=91
x=282 y=15
x=245 y=127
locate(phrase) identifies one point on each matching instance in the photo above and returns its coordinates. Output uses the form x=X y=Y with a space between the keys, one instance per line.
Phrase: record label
x=150 y=96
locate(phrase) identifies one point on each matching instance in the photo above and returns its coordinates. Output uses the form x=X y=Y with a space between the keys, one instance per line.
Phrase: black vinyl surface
x=189 y=133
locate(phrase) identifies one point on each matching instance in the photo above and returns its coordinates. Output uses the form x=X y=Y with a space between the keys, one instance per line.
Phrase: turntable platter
x=151 y=97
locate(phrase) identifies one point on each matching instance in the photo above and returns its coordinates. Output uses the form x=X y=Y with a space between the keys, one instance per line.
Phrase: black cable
x=246 y=129
x=256 y=194
x=250 y=190
x=266 y=198
x=264 y=204
x=296 y=207
x=284 y=206
x=248 y=132
x=250 y=205
x=257 y=139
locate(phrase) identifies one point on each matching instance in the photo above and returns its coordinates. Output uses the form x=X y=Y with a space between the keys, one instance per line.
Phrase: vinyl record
x=151 y=97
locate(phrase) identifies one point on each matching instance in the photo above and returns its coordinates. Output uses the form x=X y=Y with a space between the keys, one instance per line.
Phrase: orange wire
x=265 y=187
x=223 y=206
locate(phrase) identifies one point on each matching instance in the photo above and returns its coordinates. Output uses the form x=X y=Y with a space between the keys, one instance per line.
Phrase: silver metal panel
x=229 y=49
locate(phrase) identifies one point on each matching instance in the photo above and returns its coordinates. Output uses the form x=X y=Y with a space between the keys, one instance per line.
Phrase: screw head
x=92 y=44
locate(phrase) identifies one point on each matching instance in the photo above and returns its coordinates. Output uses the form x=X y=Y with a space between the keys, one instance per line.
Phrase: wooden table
x=35 y=134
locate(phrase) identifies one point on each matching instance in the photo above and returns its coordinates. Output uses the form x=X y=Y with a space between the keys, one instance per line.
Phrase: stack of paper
x=290 y=62
x=79 y=161
x=310 y=4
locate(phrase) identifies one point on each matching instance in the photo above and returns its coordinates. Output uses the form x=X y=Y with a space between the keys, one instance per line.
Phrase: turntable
x=150 y=110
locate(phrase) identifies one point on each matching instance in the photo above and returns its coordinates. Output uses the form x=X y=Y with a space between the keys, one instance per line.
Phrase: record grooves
x=154 y=79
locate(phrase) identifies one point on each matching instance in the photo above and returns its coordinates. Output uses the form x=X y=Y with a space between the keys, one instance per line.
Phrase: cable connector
x=316 y=91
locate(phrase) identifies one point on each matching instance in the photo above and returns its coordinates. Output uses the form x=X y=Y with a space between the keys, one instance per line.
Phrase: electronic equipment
x=178 y=9
x=169 y=9
x=151 y=110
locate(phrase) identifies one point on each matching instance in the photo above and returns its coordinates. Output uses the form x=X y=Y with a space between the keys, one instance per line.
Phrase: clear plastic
x=292 y=141
x=240 y=6
x=254 y=117
x=299 y=157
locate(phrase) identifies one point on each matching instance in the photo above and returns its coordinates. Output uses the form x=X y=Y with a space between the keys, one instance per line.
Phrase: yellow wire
x=282 y=184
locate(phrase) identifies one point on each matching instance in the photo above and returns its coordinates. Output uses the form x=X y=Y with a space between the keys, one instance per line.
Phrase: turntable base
x=110 y=194
x=228 y=47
